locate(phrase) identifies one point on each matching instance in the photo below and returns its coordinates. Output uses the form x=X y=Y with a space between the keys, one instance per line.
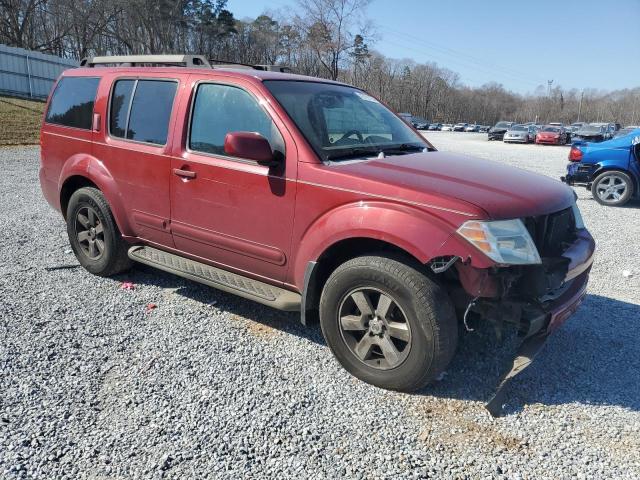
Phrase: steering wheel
x=353 y=132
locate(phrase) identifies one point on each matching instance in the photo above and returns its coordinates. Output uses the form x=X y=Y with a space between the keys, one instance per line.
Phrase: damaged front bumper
x=535 y=299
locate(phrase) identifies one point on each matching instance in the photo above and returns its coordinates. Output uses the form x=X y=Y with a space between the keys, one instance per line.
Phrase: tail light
x=575 y=154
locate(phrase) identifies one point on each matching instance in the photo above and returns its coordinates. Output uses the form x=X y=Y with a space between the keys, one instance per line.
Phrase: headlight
x=577 y=216
x=505 y=241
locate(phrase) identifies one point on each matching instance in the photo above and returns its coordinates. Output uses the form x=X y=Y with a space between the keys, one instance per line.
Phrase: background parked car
x=460 y=127
x=625 y=131
x=610 y=169
x=447 y=127
x=406 y=117
x=484 y=128
x=520 y=134
x=499 y=129
x=472 y=128
x=552 y=135
x=594 y=132
x=420 y=123
x=435 y=126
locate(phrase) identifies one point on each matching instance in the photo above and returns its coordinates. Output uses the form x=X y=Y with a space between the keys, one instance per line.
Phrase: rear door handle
x=184 y=173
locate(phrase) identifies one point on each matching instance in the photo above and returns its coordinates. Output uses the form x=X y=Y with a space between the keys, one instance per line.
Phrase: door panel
x=229 y=211
x=137 y=156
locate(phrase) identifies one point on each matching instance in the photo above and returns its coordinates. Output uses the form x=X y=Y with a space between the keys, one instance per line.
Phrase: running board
x=215 y=277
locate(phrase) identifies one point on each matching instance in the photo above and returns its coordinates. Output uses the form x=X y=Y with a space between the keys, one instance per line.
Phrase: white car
x=447 y=127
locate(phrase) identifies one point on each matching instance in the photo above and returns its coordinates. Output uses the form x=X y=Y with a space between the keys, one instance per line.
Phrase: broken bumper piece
x=554 y=314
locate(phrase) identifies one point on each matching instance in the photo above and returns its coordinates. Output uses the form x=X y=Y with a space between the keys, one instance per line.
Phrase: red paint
x=269 y=222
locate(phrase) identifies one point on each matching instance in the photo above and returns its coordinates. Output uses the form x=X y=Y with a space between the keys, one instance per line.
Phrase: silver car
x=520 y=134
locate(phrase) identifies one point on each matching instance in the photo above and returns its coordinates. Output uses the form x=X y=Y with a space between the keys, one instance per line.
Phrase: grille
x=552 y=233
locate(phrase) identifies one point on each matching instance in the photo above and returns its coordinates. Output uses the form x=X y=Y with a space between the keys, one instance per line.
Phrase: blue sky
x=577 y=44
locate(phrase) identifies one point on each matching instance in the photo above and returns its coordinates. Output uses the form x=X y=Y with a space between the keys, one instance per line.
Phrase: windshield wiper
x=404 y=148
x=354 y=152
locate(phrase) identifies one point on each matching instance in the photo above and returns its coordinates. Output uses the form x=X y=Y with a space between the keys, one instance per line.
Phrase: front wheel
x=387 y=323
x=613 y=188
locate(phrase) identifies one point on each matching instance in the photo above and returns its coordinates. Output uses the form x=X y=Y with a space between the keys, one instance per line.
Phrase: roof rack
x=191 y=61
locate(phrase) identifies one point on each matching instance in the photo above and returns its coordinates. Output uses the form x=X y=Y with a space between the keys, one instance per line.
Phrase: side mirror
x=251 y=146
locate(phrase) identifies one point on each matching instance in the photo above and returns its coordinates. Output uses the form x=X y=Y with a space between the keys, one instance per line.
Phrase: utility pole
x=549 y=83
x=580 y=105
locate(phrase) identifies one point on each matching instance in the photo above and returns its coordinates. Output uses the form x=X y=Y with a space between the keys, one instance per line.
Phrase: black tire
x=99 y=248
x=426 y=308
x=623 y=188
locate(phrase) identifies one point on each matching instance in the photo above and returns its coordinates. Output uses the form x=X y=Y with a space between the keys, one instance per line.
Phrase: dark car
x=435 y=126
x=499 y=129
x=625 y=131
x=594 y=132
x=312 y=196
x=419 y=123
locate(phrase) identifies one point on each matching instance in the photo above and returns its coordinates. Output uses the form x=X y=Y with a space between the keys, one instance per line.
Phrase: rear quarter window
x=72 y=102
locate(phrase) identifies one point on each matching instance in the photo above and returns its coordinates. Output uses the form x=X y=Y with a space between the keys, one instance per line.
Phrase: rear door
x=230 y=211
x=140 y=115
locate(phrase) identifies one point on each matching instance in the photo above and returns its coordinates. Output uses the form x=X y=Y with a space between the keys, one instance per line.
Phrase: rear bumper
x=579 y=174
x=49 y=190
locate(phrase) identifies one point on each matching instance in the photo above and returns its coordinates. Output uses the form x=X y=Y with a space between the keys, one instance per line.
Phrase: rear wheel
x=613 y=188
x=94 y=235
x=387 y=323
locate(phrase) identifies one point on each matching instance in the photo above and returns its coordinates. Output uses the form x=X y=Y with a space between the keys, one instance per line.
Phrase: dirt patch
x=256 y=328
x=20 y=121
x=456 y=424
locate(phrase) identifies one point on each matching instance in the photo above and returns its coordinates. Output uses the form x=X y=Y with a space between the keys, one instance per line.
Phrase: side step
x=215 y=277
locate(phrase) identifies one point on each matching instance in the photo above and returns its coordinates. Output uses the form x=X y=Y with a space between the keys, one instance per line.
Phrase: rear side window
x=140 y=110
x=72 y=102
x=220 y=109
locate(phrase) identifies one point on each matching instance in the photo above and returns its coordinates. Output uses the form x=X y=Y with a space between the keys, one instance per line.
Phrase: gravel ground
x=93 y=385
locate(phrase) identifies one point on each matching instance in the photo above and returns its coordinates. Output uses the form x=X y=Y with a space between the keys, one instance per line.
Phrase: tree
x=328 y=25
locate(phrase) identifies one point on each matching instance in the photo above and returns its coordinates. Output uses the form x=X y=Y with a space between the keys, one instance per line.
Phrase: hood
x=454 y=181
x=522 y=133
x=498 y=129
x=549 y=134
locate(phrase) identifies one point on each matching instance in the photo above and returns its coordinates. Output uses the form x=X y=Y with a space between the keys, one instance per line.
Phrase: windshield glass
x=342 y=122
x=592 y=128
x=551 y=129
x=519 y=128
x=502 y=125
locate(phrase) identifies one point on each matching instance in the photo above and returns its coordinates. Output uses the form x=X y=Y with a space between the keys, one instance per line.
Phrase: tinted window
x=120 y=100
x=150 y=111
x=220 y=109
x=72 y=102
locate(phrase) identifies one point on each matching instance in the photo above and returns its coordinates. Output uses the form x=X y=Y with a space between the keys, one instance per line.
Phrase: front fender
x=421 y=234
x=94 y=170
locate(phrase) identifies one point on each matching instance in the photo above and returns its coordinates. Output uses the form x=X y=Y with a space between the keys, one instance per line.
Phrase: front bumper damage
x=536 y=299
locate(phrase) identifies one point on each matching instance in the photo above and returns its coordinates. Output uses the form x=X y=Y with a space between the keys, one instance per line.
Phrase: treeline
x=323 y=39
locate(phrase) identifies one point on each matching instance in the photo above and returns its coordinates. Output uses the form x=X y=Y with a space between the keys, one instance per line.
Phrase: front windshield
x=343 y=122
x=502 y=125
x=592 y=128
x=519 y=128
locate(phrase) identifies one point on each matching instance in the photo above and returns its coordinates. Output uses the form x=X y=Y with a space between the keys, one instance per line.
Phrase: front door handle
x=184 y=173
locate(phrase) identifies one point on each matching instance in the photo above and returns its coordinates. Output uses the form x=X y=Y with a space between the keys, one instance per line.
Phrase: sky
x=577 y=44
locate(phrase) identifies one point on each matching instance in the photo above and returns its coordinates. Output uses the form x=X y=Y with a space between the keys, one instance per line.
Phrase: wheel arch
x=85 y=171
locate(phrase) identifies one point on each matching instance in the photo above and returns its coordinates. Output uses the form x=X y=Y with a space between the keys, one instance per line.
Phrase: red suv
x=308 y=195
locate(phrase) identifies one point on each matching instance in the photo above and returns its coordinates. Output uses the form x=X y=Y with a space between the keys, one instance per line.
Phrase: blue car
x=611 y=169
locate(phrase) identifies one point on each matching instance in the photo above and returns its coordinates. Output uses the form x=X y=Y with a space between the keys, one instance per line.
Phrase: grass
x=20 y=121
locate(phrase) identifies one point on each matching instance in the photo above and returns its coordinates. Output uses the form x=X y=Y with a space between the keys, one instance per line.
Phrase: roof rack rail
x=191 y=61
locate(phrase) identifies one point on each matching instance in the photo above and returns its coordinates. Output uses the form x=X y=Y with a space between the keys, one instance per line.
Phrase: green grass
x=20 y=121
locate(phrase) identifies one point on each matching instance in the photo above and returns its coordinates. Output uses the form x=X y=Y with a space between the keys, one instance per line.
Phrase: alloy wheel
x=90 y=233
x=375 y=328
x=611 y=188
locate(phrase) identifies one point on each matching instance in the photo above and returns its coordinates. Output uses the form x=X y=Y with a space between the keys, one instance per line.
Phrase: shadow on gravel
x=593 y=359
x=287 y=322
